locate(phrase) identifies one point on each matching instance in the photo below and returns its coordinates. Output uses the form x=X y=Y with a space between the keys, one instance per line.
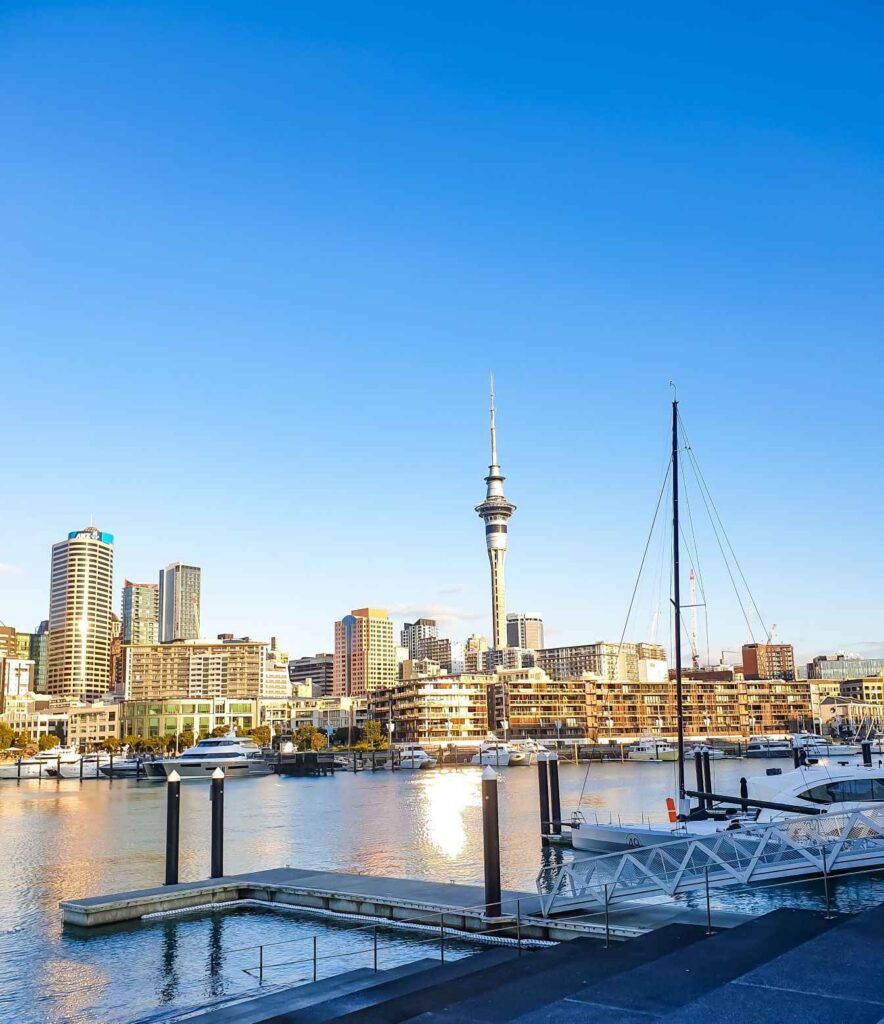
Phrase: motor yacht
x=530 y=748
x=651 y=748
x=498 y=754
x=86 y=766
x=819 y=746
x=41 y=765
x=413 y=755
x=833 y=788
x=715 y=753
x=237 y=756
x=764 y=746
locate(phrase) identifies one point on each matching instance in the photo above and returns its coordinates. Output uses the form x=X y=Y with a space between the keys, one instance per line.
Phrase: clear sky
x=257 y=260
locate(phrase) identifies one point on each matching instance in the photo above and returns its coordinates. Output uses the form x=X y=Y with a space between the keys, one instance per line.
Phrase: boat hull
x=663 y=755
x=493 y=759
x=602 y=839
x=203 y=768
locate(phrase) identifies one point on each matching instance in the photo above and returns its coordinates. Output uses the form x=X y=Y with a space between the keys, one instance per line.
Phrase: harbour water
x=65 y=839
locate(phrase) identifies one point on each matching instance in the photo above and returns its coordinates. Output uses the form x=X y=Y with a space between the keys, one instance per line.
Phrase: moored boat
x=651 y=748
x=413 y=755
x=238 y=757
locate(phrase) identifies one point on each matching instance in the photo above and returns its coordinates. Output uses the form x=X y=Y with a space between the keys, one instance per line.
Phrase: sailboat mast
x=676 y=600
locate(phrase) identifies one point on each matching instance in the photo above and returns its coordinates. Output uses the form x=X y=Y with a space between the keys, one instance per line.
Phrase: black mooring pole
x=543 y=787
x=555 y=800
x=217 y=797
x=491 y=842
x=744 y=793
x=867 y=753
x=173 y=808
x=698 y=768
x=707 y=778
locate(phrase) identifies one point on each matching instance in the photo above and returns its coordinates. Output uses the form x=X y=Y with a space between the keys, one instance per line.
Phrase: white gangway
x=819 y=845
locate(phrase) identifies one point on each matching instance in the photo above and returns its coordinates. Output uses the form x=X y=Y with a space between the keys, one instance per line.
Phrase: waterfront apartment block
x=524 y=630
x=440 y=709
x=92 y=724
x=606 y=660
x=179 y=602
x=533 y=705
x=195 y=669
x=140 y=613
x=768 y=661
x=844 y=666
x=80 y=600
x=415 y=633
x=315 y=671
x=201 y=716
x=285 y=717
x=365 y=655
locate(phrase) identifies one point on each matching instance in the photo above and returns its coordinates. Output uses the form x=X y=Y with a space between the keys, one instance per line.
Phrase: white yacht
x=42 y=765
x=819 y=746
x=651 y=748
x=498 y=754
x=530 y=748
x=764 y=746
x=237 y=756
x=715 y=753
x=413 y=755
x=86 y=766
x=834 y=788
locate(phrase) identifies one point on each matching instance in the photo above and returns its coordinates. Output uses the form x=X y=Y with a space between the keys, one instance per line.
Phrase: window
x=846 y=791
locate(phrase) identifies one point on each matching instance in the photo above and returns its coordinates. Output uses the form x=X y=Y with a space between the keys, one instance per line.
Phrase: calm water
x=60 y=840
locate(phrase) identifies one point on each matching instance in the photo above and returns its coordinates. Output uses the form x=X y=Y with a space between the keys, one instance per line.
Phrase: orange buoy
x=670 y=806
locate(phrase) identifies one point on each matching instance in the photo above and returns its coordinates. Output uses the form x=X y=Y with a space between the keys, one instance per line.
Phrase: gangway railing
x=825 y=844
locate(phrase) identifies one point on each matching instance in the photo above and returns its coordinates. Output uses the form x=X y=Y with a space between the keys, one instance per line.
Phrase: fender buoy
x=670 y=806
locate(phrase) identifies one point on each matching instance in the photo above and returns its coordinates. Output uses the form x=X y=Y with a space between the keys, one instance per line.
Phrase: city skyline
x=304 y=345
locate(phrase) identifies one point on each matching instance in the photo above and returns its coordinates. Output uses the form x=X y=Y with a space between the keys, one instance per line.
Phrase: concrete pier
x=458 y=907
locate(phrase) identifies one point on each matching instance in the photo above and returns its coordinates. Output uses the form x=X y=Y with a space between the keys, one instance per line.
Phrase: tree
x=48 y=742
x=220 y=730
x=111 y=744
x=21 y=739
x=134 y=742
x=318 y=742
x=261 y=735
x=371 y=733
x=304 y=737
x=186 y=739
x=6 y=736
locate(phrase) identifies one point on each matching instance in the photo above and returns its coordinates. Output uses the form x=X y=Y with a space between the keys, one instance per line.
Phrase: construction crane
x=695 y=654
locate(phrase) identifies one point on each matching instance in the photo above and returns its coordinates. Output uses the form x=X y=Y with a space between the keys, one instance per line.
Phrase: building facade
x=414 y=634
x=316 y=671
x=365 y=655
x=533 y=705
x=607 y=660
x=524 y=630
x=140 y=613
x=179 y=602
x=80 y=600
x=38 y=652
x=201 y=716
x=437 y=710
x=768 y=661
x=90 y=725
x=844 y=666
x=195 y=669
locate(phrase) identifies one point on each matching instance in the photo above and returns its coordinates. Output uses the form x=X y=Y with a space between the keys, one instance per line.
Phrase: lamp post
x=391 y=728
x=659 y=724
x=504 y=724
x=610 y=724
x=707 y=721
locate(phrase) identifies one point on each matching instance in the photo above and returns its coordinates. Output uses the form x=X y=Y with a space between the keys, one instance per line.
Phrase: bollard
x=491 y=842
x=543 y=786
x=173 y=809
x=216 y=795
x=744 y=793
x=867 y=754
x=552 y=762
x=707 y=776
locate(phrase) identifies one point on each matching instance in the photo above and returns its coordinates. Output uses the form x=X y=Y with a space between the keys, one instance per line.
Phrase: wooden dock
x=395 y=900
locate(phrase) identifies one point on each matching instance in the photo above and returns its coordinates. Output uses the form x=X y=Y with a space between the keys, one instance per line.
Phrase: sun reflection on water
x=444 y=797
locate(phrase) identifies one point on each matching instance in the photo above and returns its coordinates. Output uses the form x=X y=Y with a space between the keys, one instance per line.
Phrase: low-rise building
x=435 y=710
x=533 y=705
x=90 y=725
x=172 y=716
x=844 y=666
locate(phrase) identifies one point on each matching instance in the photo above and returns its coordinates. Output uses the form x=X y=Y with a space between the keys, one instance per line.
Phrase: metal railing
x=798 y=847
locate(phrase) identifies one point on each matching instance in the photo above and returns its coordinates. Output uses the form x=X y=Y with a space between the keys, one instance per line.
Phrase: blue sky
x=258 y=259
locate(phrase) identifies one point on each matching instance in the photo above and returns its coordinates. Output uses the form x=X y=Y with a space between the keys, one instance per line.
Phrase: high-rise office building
x=365 y=655
x=495 y=510
x=195 y=668
x=140 y=612
x=768 y=661
x=415 y=633
x=524 y=630
x=39 y=654
x=317 y=670
x=179 y=602
x=80 y=600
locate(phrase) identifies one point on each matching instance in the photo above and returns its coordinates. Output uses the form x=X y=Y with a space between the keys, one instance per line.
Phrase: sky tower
x=496 y=510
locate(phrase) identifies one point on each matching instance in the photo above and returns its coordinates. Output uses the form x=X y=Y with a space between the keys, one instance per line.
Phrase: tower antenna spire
x=493 y=425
